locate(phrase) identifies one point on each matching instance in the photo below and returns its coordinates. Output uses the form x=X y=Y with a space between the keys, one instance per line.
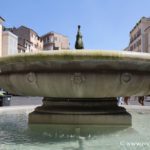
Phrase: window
x=131 y=39
x=45 y=39
x=25 y=45
x=56 y=48
x=139 y=32
x=138 y=43
x=134 y=45
x=48 y=39
x=131 y=48
x=55 y=38
x=51 y=39
x=134 y=36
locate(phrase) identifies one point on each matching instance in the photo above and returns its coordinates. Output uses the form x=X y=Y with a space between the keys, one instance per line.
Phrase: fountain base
x=94 y=111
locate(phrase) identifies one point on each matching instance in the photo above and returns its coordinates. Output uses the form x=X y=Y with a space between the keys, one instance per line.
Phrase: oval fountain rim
x=68 y=55
x=80 y=60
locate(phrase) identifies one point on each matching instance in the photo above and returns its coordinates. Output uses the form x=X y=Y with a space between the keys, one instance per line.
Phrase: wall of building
x=135 y=39
x=0 y=39
x=61 y=41
x=9 y=43
x=65 y=43
x=22 y=32
x=28 y=39
x=55 y=41
x=146 y=40
x=48 y=41
x=140 y=39
x=37 y=43
x=139 y=36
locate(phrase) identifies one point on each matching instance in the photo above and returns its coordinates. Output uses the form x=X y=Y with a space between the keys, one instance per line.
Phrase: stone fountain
x=79 y=87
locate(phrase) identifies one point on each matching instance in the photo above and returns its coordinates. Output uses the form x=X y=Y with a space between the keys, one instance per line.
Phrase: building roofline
x=139 y=23
x=29 y=29
x=52 y=32
x=9 y=32
x=2 y=18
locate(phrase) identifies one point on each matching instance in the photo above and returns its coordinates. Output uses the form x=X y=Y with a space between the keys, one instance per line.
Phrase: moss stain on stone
x=74 y=56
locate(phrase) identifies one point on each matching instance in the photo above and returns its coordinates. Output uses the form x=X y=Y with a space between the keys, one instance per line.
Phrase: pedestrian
x=141 y=100
x=126 y=100
x=120 y=100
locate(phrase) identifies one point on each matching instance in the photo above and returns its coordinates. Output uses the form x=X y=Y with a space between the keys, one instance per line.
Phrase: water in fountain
x=15 y=133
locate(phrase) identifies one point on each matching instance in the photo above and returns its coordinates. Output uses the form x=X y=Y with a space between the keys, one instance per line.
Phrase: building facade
x=140 y=36
x=9 y=43
x=140 y=40
x=55 y=41
x=28 y=39
x=1 y=30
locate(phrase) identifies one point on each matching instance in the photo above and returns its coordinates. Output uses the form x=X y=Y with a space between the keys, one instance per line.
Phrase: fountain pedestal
x=103 y=111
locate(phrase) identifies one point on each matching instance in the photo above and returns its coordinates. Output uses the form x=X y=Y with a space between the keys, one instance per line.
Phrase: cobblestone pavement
x=21 y=100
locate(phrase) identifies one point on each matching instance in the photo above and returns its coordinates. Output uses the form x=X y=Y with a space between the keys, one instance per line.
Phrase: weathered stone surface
x=77 y=85
x=77 y=75
x=102 y=111
x=120 y=119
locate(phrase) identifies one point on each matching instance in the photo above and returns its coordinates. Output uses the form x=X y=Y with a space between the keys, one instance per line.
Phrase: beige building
x=140 y=36
x=28 y=39
x=9 y=43
x=55 y=41
x=1 y=30
x=140 y=40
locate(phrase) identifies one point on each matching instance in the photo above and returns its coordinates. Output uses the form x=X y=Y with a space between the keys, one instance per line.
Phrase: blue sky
x=105 y=24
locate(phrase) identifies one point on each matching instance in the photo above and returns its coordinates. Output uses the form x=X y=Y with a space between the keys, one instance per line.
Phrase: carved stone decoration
x=77 y=78
x=31 y=78
x=126 y=77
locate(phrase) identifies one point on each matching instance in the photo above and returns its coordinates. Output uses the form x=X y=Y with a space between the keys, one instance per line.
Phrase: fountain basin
x=76 y=74
x=16 y=133
x=77 y=85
